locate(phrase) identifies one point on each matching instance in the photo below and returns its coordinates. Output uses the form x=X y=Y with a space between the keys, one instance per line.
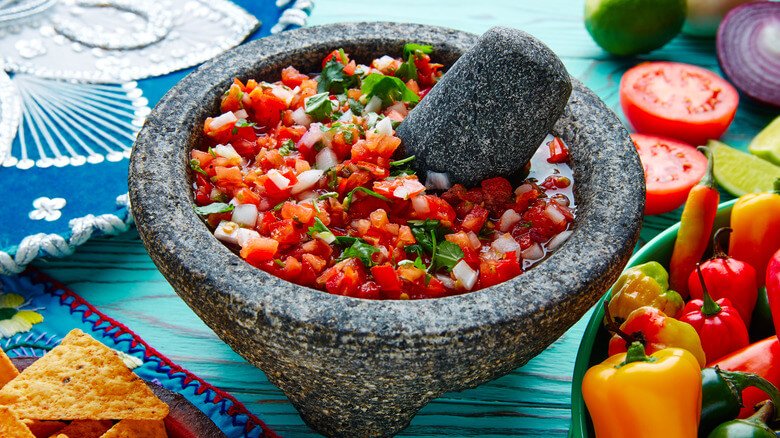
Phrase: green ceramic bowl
x=593 y=348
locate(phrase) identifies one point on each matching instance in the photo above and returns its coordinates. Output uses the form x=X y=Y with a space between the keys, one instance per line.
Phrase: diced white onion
x=465 y=275
x=399 y=107
x=474 y=240
x=326 y=159
x=313 y=135
x=226 y=151
x=373 y=106
x=409 y=188
x=554 y=214
x=346 y=117
x=533 y=252
x=227 y=232
x=558 y=240
x=505 y=243
x=385 y=126
x=309 y=194
x=279 y=180
x=420 y=204
x=246 y=99
x=325 y=236
x=300 y=117
x=265 y=204
x=245 y=215
x=448 y=282
x=523 y=188
x=241 y=114
x=438 y=180
x=383 y=63
x=283 y=93
x=224 y=119
x=244 y=235
x=508 y=220
x=306 y=180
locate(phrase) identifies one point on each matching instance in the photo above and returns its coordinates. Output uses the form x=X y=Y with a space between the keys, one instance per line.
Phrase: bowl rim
x=373 y=319
x=579 y=412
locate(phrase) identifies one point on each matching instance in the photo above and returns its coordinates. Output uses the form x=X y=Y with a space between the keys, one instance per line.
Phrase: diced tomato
x=475 y=220
x=427 y=72
x=228 y=177
x=292 y=77
x=336 y=55
x=439 y=210
x=284 y=232
x=497 y=193
x=259 y=249
x=267 y=107
x=245 y=148
x=492 y=272
x=559 y=153
x=247 y=196
x=300 y=213
x=204 y=158
x=203 y=190
x=232 y=101
x=386 y=276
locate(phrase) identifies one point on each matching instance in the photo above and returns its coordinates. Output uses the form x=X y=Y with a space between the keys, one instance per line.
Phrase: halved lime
x=767 y=143
x=740 y=173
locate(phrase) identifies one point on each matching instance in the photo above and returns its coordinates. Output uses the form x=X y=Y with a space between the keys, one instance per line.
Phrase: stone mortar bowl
x=357 y=367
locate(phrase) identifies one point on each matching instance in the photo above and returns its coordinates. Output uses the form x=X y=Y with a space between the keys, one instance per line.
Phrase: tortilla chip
x=86 y=428
x=137 y=429
x=43 y=429
x=7 y=369
x=12 y=427
x=81 y=379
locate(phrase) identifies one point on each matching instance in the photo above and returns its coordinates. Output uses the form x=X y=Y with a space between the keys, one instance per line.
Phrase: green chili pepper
x=722 y=395
x=761 y=325
x=752 y=427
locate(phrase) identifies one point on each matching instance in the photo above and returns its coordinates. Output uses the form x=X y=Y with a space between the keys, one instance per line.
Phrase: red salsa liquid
x=301 y=176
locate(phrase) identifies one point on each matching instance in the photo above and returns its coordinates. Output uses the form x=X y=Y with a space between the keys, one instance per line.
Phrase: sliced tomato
x=671 y=167
x=677 y=100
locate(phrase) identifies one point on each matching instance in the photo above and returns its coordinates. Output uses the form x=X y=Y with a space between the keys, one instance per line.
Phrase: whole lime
x=628 y=27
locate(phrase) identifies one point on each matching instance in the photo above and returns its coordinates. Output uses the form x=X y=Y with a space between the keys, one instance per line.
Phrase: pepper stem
x=708 y=179
x=717 y=248
x=777 y=185
x=737 y=381
x=636 y=353
x=614 y=327
x=710 y=307
x=765 y=412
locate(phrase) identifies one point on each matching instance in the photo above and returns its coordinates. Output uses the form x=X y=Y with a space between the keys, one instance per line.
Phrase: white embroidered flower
x=48 y=209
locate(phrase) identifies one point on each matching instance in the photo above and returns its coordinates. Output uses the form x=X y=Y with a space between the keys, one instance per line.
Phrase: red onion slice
x=749 y=50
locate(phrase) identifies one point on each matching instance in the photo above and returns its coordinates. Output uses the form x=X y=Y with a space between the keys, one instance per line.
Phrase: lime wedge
x=740 y=173
x=767 y=143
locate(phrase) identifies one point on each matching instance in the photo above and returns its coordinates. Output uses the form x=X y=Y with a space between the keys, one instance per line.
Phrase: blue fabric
x=90 y=188
x=64 y=311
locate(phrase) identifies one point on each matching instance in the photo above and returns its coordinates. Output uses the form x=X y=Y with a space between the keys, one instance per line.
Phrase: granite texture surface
x=357 y=367
x=487 y=116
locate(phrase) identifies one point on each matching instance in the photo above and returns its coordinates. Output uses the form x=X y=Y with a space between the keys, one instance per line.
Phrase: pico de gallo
x=301 y=177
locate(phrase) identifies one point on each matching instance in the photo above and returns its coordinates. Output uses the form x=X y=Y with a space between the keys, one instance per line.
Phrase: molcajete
x=357 y=367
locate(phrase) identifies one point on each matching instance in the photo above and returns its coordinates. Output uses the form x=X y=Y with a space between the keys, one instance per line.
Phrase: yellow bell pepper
x=634 y=395
x=644 y=285
x=755 y=219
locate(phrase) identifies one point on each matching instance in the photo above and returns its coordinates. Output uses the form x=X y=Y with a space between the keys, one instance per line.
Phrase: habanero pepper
x=634 y=395
x=696 y=222
x=727 y=277
x=722 y=395
x=656 y=331
x=755 y=219
x=753 y=427
x=720 y=328
x=762 y=358
x=773 y=288
x=644 y=285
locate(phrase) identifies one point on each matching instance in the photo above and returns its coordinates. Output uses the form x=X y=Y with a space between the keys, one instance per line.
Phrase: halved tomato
x=677 y=100
x=671 y=167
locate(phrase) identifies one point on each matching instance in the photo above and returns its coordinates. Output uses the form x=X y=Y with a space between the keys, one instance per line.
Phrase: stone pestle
x=491 y=110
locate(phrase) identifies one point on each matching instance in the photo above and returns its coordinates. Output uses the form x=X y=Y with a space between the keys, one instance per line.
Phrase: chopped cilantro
x=333 y=178
x=278 y=206
x=334 y=80
x=212 y=153
x=422 y=230
x=348 y=198
x=447 y=256
x=388 y=88
x=398 y=163
x=287 y=147
x=355 y=106
x=413 y=48
x=242 y=123
x=318 y=227
x=279 y=263
x=327 y=195
x=361 y=251
x=408 y=69
x=195 y=165
x=215 y=207
x=319 y=106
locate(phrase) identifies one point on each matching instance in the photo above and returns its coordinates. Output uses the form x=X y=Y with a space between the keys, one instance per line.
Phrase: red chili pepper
x=695 y=228
x=727 y=277
x=718 y=323
x=558 y=151
x=773 y=288
x=762 y=358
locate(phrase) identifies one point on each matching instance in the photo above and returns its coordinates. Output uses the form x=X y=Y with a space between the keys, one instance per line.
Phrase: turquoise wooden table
x=117 y=276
